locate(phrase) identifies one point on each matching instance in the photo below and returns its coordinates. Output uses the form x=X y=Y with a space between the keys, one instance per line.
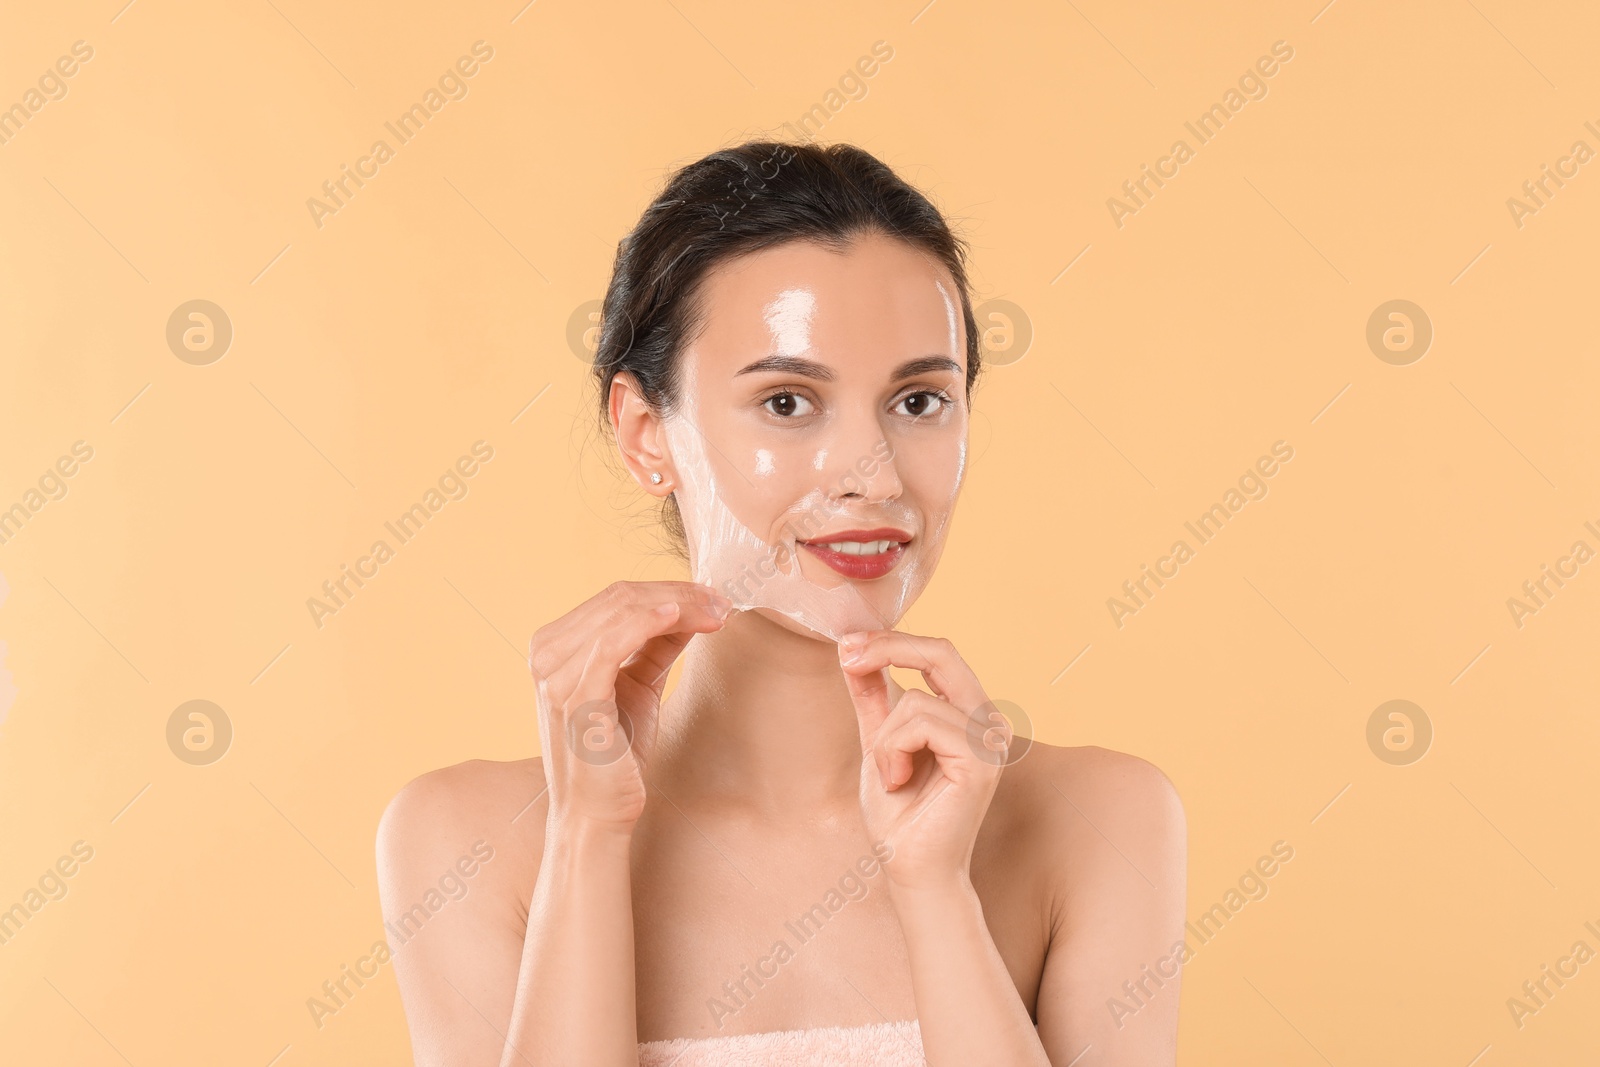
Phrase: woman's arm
x=485 y=985
x=929 y=770
x=455 y=938
x=967 y=1003
x=930 y=766
x=554 y=987
x=1112 y=829
x=1109 y=993
x=575 y=999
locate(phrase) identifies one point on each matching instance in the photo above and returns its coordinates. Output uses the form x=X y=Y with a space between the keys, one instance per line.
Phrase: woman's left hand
x=930 y=762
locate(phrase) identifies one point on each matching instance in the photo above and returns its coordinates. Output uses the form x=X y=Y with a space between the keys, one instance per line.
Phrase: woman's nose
x=861 y=463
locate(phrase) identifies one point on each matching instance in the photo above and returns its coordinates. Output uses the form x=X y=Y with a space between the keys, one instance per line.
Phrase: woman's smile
x=860 y=554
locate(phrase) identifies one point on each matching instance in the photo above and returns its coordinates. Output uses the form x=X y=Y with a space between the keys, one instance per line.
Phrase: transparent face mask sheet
x=725 y=496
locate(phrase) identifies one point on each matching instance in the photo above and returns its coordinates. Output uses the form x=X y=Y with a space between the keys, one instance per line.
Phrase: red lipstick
x=880 y=558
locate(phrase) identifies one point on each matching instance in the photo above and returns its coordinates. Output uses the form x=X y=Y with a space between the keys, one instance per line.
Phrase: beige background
x=368 y=354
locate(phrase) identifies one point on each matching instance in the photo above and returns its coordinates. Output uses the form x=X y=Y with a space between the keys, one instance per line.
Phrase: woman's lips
x=860 y=567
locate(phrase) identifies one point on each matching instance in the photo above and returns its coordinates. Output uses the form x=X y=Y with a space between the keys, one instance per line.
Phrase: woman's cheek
x=772 y=482
x=935 y=468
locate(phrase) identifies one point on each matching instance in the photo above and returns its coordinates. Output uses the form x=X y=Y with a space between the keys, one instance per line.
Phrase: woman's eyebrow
x=925 y=365
x=807 y=368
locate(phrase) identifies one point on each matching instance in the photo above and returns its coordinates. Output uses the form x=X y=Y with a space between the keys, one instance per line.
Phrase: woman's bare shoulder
x=1060 y=805
x=443 y=813
x=1085 y=773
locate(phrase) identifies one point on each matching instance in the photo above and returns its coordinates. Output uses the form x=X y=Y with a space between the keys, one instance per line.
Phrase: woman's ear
x=641 y=437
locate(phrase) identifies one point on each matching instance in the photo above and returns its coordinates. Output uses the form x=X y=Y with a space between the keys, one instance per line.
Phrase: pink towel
x=897 y=1044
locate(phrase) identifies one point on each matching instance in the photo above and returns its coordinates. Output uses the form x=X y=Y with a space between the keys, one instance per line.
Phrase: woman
x=792 y=859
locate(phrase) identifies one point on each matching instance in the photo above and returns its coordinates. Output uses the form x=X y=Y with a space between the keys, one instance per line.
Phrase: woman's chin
x=794 y=626
x=830 y=627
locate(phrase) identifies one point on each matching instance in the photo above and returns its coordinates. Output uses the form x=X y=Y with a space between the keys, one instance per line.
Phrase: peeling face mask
x=808 y=529
x=818 y=431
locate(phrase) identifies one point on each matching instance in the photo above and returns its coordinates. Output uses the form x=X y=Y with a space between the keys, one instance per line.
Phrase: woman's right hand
x=599 y=671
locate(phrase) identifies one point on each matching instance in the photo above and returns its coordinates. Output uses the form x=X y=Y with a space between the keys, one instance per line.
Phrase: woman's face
x=821 y=436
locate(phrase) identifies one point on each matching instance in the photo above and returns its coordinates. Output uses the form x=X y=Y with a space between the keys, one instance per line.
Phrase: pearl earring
x=655 y=477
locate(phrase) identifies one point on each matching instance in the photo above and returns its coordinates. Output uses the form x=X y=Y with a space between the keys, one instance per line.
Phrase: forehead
x=880 y=300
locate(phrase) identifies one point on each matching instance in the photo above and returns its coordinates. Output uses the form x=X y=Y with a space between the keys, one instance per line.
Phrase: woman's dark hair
x=740 y=200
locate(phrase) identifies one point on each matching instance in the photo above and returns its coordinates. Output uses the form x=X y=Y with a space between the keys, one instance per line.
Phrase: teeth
x=861 y=548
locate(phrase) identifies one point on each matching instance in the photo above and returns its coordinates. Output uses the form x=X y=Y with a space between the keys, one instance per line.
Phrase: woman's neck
x=760 y=716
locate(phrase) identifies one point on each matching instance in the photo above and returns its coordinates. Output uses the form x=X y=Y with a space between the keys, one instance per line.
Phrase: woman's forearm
x=967 y=1005
x=575 y=989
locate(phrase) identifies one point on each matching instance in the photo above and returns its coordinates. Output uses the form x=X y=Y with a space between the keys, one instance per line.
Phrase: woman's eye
x=787 y=405
x=921 y=405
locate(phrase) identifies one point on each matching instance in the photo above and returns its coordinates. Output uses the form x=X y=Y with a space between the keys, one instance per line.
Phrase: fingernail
x=848 y=657
x=855 y=640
